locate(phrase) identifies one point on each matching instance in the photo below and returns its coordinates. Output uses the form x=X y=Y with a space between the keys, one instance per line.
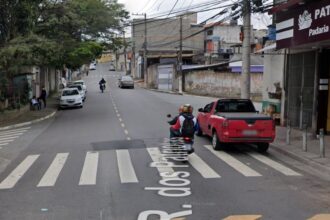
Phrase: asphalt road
x=96 y=163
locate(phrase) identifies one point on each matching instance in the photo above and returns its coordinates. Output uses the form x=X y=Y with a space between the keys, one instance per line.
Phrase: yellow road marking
x=243 y=217
x=178 y=219
x=320 y=217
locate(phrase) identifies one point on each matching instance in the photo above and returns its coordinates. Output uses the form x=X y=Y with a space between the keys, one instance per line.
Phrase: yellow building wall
x=105 y=58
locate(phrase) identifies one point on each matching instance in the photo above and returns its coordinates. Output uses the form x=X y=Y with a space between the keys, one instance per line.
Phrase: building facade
x=163 y=40
x=303 y=37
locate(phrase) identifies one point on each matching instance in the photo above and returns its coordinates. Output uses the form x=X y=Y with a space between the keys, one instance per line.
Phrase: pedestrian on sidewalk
x=35 y=104
x=43 y=96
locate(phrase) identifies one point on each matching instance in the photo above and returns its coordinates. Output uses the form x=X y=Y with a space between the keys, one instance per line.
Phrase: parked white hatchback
x=82 y=83
x=70 y=97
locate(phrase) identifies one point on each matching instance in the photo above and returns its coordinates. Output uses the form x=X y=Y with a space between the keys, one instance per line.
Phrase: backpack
x=188 y=127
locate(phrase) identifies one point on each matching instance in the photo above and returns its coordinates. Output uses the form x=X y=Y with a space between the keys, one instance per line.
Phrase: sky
x=156 y=7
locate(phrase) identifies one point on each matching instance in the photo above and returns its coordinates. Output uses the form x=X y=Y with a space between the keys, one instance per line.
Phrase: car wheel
x=216 y=144
x=262 y=147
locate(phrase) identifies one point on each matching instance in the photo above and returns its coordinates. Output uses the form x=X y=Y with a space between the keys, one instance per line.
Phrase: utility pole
x=144 y=73
x=180 y=59
x=125 y=68
x=246 y=50
x=145 y=59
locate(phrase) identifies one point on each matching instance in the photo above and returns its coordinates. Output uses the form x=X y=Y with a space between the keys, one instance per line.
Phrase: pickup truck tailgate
x=248 y=126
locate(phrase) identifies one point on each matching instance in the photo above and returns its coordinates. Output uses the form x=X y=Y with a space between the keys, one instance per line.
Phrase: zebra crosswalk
x=8 y=136
x=127 y=169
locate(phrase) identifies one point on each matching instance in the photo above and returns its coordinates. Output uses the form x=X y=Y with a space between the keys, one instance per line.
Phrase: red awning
x=288 y=4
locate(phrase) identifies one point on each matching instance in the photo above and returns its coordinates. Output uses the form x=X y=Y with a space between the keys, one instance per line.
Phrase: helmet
x=181 y=109
x=187 y=108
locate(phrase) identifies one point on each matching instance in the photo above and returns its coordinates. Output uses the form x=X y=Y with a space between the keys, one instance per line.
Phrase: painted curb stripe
x=243 y=217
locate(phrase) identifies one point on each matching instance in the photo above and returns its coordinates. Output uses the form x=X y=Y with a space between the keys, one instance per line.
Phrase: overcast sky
x=156 y=7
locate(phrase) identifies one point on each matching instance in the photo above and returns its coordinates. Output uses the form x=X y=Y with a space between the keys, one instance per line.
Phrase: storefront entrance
x=324 y=92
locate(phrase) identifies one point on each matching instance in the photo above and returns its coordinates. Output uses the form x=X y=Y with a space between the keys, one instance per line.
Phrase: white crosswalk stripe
x=18 y=172
x=234 y=163
x=125 y=166
x=8 y=136
x=202 y=167
x=89 y=171
x=20 y=130
x=275 y=165
x=51 y=175
x=6 y=141
x=156 y=156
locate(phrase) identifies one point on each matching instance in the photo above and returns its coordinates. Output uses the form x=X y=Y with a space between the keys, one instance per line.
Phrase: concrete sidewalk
x=27 y=116
x=294 y=149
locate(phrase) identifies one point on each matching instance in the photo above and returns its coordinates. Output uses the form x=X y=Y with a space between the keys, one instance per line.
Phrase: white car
x=70 y=97
x=80 y=89
x=81 y=82
x=92 y=66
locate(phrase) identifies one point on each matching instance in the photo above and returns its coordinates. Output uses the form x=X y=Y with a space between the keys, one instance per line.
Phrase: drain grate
x=118 y=145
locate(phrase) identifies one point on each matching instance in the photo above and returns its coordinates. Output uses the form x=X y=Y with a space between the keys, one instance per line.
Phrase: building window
x=209 y=32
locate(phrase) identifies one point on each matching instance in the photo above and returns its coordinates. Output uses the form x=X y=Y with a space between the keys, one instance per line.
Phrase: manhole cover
x=117 y=145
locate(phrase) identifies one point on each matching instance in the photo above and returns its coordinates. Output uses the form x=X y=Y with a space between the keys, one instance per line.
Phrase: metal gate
x=165 y=76
x=301 y=71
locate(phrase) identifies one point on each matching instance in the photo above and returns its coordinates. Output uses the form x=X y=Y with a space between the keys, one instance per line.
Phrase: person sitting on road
x=35 y=104
x=186 y=125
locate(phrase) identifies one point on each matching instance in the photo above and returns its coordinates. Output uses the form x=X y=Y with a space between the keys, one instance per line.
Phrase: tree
x=56 y=33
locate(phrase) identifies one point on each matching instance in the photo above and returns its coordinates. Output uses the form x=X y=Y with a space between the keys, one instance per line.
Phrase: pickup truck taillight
x=225 y=124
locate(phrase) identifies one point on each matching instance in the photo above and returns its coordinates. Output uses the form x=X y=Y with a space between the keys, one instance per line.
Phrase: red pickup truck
x=235 y=121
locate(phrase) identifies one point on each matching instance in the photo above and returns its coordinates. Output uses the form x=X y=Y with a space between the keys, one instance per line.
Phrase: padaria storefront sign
x=308 y=23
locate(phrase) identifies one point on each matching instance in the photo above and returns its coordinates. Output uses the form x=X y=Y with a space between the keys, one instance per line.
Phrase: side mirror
x=200 y=110
x=169 y=116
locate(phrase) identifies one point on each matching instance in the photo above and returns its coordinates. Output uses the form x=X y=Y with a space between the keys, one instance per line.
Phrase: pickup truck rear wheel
x=263 y=147
x=216 y=144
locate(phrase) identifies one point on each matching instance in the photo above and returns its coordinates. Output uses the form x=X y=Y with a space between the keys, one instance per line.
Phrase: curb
x=162 y=91
x=28 y=123
x=168 y=92
x=316 y=165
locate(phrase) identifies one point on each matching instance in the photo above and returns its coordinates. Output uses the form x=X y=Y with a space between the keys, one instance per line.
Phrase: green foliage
x=56 y=33
x=83 y=53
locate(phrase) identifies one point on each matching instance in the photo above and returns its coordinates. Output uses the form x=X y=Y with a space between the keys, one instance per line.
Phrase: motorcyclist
x=102 y=83
x=178 y=129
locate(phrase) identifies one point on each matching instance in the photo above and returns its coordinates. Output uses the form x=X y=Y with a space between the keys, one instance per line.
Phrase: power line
x=173 y=7
x=153 y=19
x=211 y=3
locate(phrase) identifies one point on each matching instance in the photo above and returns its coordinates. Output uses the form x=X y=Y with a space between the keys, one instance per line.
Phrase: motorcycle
x=102 y=87
x=185 y=144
